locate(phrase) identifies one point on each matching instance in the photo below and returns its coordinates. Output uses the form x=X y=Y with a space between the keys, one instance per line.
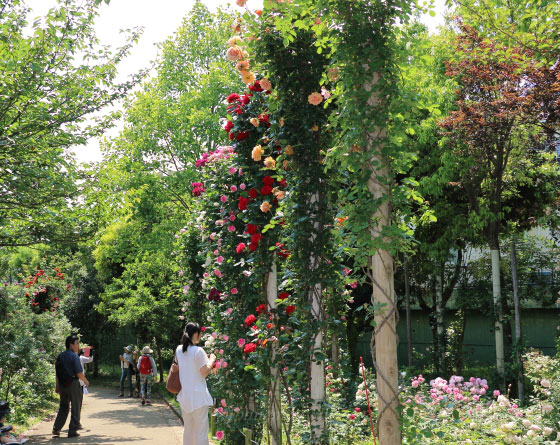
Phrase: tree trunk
x=517 y=316
x=274 y=415
x=439 y=321
x=384 y=340
x=408 y=320
x=497 y=298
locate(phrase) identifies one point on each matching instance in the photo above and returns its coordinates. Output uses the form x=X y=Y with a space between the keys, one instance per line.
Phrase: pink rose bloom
x=221 y=352
x=181 y=273
x=241 y=342
x=354 y=285
x=214 y=335
x=343 y=318
x=223 y=198
x=186 y=289
x=218 y=273
x=216 y=252
x=231 y=228
x=233 y=188
x=242 y=186
x=352 y=416
x=415 y=383
x=236 y=409
x=203 y=328
x=229 y=310
x=205 y=274
x=496 y=393
x=220 y=410
x=217 y=365
x=232 y=218
x=223 y=403
x=181 y=317
x=224 y=364
x=234 y=291
x=232 y=170
x=226 y=338
x=213 y=235
x=220 y=259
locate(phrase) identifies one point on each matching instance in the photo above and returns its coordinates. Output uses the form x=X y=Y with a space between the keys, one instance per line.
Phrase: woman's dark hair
x=191 y=329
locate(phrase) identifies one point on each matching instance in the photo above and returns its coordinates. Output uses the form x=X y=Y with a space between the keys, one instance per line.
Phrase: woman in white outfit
x=194 y=398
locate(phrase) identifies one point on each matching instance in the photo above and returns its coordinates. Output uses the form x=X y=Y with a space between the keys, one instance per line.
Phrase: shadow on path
x=108 y=419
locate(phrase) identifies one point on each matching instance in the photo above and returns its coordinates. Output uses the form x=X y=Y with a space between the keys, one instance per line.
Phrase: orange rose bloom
x=247 y=77
x=315 y=98
x=315 y=127
x=243 y=65
x=234 y=53
x=265 y=206
x=270 y=163
x=265 y=84
x=257 y=153
x=288 y=150
x=254 y=121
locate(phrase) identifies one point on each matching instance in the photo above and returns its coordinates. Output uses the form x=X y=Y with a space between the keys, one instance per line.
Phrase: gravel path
x=108 y=419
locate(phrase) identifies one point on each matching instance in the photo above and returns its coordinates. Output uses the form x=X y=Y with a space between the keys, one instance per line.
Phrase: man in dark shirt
x=68 y=373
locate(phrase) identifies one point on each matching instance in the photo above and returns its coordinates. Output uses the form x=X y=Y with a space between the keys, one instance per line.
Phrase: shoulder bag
x=173 y=384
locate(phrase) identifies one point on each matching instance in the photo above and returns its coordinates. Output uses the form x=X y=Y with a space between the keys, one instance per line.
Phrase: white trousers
x=196 y=427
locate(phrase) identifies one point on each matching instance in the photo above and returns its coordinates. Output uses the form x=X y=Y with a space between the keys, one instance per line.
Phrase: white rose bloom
x=535 y=428
x=526 y=423
x=547 y=431
x=531 y=433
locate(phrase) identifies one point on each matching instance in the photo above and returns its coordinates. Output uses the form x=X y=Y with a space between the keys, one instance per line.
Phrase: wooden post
x=212 y=423
x=274 y=409
x=517 y=317
x=384 y=340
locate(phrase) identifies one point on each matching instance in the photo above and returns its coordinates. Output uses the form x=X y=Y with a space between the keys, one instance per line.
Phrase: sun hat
x=4 y=408
x=128 y=348
x=147 y=350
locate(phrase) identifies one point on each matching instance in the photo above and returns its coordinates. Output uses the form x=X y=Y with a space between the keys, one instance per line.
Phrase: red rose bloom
x=256 y=86
x=261 y=309
x=290 y=309
x=251 y=228
x=242 y=135
x=250 y=320
x=282 y=251
x=253 y=193
x=231 y=136
x=263 y=118
x=233 y=98
x=253 y=246
x=245 y=99
x=282 y=183
x=238 y=110
x=240 y=247
x=249 y=347
x=266 y=190
x=256 y=237
x=268 y=180
x=228 y=126
x=283 y=295
x=242 y=205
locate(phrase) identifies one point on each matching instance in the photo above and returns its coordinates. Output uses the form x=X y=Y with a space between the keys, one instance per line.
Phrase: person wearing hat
x=5 y=430
x=127 y=366
x=148 y=372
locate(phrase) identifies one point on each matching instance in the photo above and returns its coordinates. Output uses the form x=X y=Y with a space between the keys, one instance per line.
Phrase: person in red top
x=148 y=372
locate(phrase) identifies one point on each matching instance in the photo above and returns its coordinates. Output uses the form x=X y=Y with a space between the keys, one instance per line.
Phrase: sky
x=160 y=19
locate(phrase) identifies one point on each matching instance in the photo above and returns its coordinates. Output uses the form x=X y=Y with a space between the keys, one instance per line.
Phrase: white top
x=194 y=393
x=83 y=361
x=128 y=360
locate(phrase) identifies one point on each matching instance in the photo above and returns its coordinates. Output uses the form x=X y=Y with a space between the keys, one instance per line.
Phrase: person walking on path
x=127 y=366
x=148 y=372
x=68 y=371
x=194 y=398
x=84 y=361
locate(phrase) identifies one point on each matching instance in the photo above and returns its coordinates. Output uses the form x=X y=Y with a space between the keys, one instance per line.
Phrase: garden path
x=108 y=419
